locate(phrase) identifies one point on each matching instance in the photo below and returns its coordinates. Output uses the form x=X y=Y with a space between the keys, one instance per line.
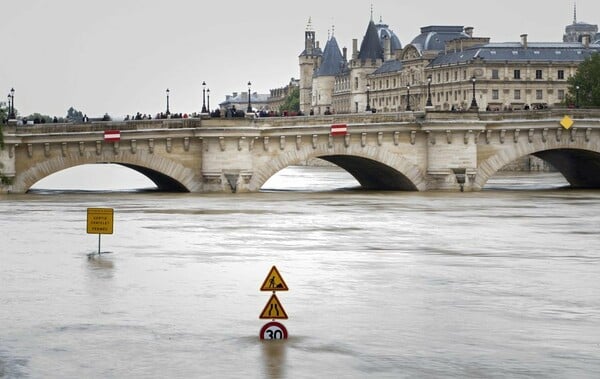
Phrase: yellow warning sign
x=274 y=281
x=567 y=122
x=273 y=309
x=100 y=220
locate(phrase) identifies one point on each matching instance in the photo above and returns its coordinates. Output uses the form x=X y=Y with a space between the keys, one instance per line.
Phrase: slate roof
x=333 y=62
x=392 y=65
x=384 y=31
x=535 y=52
x=435 y=37
x=370 y=48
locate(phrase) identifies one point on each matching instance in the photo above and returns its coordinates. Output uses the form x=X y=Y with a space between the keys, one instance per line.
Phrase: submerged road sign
x=273 y=331
x=100 y=220
x=274 y=309
x=274 y=282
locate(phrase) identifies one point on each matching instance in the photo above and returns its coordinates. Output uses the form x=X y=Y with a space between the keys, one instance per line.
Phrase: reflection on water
x=274 y=358
x=497 y=283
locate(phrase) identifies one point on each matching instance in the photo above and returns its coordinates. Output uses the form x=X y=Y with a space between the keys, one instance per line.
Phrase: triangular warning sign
x=273 y=309
x=274 y=281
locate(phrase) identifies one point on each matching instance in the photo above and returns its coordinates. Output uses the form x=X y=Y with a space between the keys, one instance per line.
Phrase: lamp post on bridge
x=474 y=105
x=408 y=97
x=576 y=96
x=168 y=112
x=208 y=100
x=368 y=109
x=11 y=105
x=249 y=110
x=203 y=97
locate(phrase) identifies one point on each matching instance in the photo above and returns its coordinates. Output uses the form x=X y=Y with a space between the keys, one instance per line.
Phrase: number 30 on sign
x=273 y=331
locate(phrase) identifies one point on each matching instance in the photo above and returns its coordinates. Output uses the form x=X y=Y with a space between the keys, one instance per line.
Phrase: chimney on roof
x=345 y=53
x=585 y=39
x=354 y=48
x=387 y=48
x=524 y=40
x=469 y=31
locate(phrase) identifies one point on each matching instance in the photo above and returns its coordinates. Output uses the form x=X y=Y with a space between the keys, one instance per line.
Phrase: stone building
x=444 y=64
x=277 y=96
x=239 y=102
x=577 y=30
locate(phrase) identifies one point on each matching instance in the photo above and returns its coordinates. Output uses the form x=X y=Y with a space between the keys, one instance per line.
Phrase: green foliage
x=588 y=80
x=292 y=101
x=73 y=115
x=39 y=118
x=3 y=115
x=3 y=119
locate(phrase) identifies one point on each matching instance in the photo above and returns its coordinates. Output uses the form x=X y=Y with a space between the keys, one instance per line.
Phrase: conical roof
x=370 y=48
x=333 y=61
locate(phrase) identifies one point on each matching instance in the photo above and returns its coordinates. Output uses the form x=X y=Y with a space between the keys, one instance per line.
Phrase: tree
x=39 y=118
x=292 y=101
x=587 y=79
x=73 y=115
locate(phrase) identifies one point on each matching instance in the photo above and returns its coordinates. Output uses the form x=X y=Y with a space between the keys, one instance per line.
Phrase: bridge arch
x=168 y=175
x=578 y=161
x=373 y=167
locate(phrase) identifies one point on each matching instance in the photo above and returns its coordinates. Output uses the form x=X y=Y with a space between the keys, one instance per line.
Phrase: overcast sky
x=119 y=56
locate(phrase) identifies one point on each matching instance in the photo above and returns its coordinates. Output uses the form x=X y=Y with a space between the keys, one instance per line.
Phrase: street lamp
x=576 y=97
x=249 y=110
x=208 y=99
x=368 y=101
x=203 y=97
x=168 y=112
x=408 y=97
x=429 y=104
x=474 y=105
x=11 y=114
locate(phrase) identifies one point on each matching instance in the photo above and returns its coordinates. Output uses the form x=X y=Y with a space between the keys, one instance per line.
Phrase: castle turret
x=309 y=63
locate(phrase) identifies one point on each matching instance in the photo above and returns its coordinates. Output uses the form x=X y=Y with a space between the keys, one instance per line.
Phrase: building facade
x=442 y=68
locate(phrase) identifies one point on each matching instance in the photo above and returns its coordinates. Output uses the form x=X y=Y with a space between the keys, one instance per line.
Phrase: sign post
x=100 y=221
x=273 y=309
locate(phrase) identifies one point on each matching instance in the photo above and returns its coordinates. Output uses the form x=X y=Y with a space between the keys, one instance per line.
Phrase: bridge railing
x=354 y=118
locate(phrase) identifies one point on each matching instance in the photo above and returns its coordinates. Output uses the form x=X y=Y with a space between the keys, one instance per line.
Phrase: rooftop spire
x=309 y=25
x=371 y=11
x=574 y=13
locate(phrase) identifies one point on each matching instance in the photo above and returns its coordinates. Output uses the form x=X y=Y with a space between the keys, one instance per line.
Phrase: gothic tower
x=309 y=62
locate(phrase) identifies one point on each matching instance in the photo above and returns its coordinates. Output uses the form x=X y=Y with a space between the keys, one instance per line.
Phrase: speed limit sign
x=273 y=331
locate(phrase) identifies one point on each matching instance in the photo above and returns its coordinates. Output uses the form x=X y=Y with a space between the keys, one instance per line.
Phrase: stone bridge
x=409 y=151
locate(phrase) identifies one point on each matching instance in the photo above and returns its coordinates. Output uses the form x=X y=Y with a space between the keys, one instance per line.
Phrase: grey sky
x=119 y=56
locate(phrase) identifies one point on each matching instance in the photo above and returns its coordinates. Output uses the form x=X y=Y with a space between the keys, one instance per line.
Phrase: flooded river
x=496 y=284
